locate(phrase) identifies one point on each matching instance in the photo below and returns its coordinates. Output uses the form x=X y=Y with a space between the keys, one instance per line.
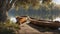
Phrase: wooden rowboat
x=45 y=23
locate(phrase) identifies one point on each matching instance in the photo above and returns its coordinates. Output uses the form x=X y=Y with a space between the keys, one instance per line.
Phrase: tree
x=5 y=5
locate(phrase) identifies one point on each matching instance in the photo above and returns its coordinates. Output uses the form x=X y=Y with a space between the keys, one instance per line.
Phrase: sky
x=56 y=1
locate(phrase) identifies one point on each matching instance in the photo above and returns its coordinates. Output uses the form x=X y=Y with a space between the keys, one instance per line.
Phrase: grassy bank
x=8 y=28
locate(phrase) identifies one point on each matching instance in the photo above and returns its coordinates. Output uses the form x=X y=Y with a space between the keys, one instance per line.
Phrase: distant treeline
x=42 y=12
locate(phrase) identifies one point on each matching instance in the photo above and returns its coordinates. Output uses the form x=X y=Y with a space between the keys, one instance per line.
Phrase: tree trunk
x=5 y=5
x=3 y=16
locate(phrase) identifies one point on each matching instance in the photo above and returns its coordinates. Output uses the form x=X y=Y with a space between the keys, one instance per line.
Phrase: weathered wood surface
x=33 y=29
x=45 y=23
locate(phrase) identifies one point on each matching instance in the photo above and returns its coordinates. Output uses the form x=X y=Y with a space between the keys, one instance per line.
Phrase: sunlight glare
x=57 y=19
x=13 y=19
x=56 y=1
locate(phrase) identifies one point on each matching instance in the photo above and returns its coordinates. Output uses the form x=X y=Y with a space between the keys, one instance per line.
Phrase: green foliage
x=27 y=3
x=24 y=3
x=46 y=1
x=8 y=28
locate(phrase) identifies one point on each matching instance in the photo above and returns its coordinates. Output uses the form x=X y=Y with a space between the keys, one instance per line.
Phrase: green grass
x=8 y=27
